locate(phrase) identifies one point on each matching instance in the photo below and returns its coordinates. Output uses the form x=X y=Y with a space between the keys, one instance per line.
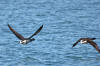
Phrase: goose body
x=21 y=38
x=86 y=41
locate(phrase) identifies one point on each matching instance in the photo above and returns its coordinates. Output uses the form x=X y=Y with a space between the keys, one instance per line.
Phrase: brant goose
x=86 y=41
x=22 y=39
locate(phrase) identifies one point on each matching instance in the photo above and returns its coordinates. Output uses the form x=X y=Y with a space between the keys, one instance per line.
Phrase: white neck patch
x=83 y=42
x=23 y=41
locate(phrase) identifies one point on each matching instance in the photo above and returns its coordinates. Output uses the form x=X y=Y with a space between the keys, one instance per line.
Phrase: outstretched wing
x=76 y=43
x=94 y=45
x=16 y=33
x=92 y=38
x=36 y=32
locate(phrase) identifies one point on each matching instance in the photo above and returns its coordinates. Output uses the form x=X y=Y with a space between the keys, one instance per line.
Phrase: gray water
x=65 y=21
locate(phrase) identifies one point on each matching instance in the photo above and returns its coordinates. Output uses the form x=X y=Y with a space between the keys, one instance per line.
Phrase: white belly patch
x=24 y=41
x=83 y=42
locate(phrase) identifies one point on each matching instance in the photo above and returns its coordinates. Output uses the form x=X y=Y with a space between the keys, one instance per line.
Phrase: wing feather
x=16 y=33
x=36 y=32
x=76 y=43
x=94 y=45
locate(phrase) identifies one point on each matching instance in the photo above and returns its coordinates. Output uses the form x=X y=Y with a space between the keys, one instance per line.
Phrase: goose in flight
x=86 y=41
x=22 y=39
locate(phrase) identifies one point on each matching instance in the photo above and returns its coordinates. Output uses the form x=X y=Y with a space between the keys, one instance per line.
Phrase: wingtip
x=93 y=38
x=42 y=26
x=8 y=25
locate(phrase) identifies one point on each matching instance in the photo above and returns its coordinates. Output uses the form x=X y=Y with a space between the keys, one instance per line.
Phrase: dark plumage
x=87 y=40
x=22 y=39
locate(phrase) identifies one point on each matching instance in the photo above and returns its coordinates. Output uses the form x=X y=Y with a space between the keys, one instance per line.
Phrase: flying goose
x=86 y=41
x=22 y=39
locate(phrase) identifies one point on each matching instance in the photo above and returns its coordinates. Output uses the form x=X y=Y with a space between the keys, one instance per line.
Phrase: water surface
x=65 y=21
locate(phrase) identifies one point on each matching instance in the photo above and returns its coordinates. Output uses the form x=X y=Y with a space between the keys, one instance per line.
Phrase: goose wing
x=94 y=45
x=76 y=43
x=36 y=32
x=16 y=33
